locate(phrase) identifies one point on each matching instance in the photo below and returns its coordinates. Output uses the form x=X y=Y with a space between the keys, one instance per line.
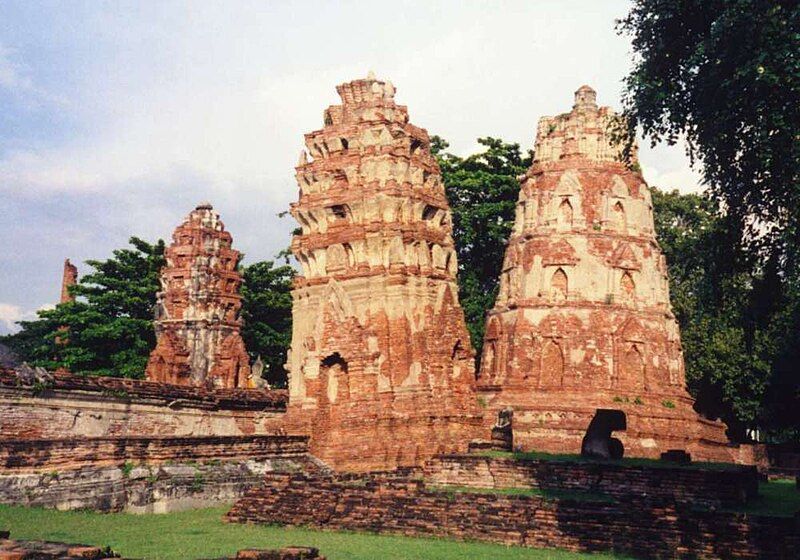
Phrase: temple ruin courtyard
x=490 y=356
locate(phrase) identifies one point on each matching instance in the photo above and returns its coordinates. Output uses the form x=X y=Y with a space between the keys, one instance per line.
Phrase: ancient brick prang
x=381 y=366
x=68 y=278
x=198 y=327
x=583 y=318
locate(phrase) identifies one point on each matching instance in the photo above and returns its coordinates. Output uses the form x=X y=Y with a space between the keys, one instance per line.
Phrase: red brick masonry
x=60 y=454
x=656 y=528
x=41 y=550
x=116 y=387
x=729 y=487
x=72 y=406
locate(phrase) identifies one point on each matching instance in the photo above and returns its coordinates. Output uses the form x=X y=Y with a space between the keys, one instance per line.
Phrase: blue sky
x=116 y=118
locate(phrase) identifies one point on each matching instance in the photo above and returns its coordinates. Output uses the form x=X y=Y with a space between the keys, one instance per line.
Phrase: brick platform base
x=647 y=528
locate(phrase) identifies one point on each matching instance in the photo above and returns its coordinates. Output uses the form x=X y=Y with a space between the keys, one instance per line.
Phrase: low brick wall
x=59 y=454
x=727 y=487
x=252 y=399
x=77 y=406
x=648 y=530
x=144 y=488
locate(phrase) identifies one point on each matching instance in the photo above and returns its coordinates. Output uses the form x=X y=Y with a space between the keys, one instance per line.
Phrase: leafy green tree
x=482 y=190
x=267 y=314
x=725 y=75
x=108 y=330
x=712 y=288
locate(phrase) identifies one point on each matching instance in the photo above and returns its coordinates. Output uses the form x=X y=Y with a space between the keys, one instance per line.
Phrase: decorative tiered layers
x=583 y=317
x=197 y=321
x=381 y=366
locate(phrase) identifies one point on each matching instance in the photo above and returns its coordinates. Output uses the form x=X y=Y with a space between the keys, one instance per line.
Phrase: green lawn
x=776 y=497
x=451 y=489
x=625 y=461
x=202 y=534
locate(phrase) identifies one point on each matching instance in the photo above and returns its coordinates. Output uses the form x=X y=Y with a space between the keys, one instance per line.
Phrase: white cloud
x=9 y=315
x=180 y=102
x=15 y=78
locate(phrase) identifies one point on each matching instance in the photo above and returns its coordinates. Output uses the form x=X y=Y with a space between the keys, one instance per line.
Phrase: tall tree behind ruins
x=725 y=76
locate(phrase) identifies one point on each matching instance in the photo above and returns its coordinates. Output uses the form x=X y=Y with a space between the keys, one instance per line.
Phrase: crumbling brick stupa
x=583 y=317
x=68 y=279
x=381 y=370
x=198 y=328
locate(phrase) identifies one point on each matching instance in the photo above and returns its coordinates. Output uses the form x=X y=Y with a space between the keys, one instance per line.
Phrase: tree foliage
x=725 y=74
x=108 y=330
x=482 y=190
x=727 y=363
x=267 y=314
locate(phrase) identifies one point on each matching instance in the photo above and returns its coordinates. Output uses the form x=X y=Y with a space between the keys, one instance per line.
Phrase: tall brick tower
x=583 y=318
x=197 y=319
x=381 y=366
x=68 y=278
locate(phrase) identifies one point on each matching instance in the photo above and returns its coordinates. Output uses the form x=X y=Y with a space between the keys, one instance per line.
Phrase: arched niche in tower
x=565 y=214
x=619 y=188
x=552 y=366
x=459 y=360
x=336 y=258
x=627 y=286
x=559 y=285
x=569 y=189
x=619 y=219
x=489 y=365
x=334 y=380
x=632 y=367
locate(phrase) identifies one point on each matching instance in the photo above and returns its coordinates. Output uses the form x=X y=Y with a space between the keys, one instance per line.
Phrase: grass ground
x=776 y=497
x=627 y=461
x=547 y=494
x=202 y=534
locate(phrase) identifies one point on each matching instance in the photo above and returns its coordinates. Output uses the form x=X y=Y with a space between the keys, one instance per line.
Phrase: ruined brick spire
x=583 y=317
x=197 y=320
x=381 y=367
x=68 y=278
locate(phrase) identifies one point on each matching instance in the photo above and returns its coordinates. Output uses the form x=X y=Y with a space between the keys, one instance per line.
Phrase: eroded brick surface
x=732 y=486
x=69 y=278
x=60 y=454
x=198 y=327
x=381 y=366
x=583 y=317
x=88 y=406
x=648 y=528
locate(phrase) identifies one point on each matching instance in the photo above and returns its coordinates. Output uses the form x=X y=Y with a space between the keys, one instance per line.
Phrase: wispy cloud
x=177 y=102
x=15 y=78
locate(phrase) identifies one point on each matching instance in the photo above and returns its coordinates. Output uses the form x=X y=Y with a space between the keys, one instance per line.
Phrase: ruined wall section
x=68 y=279
x=583 y=317
x=198 y=327
x=381 y=369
